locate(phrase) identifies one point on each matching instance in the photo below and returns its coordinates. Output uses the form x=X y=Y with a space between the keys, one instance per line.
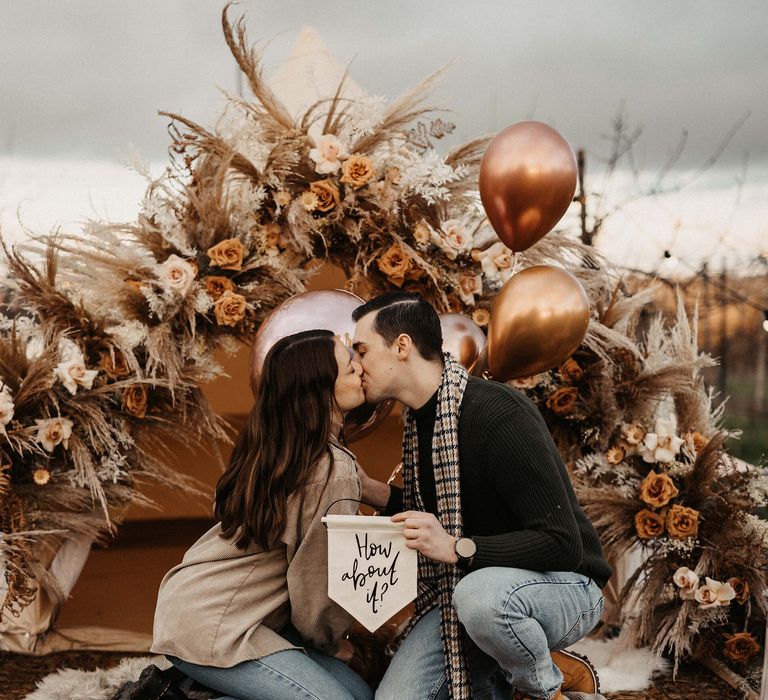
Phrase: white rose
x=327 y=154
x=497 y=262
x=456 y=235
x=439 y=240
x=6 y=406
x=687 y=580
x=178 y=274
x=53 y=431
x=73 y=372
x=714 y=593
x=663 y=445
x=35 y=346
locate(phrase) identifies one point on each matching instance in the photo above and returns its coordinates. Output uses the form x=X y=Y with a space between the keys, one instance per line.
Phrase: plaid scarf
x=437 y=580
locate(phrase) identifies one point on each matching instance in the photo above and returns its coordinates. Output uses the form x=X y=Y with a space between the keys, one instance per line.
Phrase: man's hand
x=424 y=533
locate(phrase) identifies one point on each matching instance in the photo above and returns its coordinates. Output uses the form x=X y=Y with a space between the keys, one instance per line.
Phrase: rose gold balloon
x=325 y=309
x=363 y=420
x=527 y=181
x=462 y=337
x=538 y=320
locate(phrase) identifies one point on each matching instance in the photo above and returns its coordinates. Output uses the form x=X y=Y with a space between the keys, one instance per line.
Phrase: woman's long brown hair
x=286 y=435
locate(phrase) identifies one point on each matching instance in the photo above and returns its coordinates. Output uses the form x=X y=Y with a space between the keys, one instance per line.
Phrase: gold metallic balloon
x=462 y=337
x=324 y=309
x=527 y=181
x=538 y=320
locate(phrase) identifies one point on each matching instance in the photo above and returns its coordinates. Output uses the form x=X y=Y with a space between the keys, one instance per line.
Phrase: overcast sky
x=82 y=80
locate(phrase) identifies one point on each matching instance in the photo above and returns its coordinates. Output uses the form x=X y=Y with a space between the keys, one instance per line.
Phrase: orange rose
x=741 y=647
x=571 y=371
x=741 y=586
x=326 y=194
x=135 y=400
x=357 y=171
x=649 y=524
x=563 y=400
x=114 y=364
x=216 y=285
x=657 y=490
x=229 y=309
x=682 y=522
x=228 y=255
x=395 y=263
x=615 y=455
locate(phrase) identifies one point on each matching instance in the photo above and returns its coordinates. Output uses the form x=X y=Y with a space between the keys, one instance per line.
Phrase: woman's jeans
x=514 y=617
x=284 y=675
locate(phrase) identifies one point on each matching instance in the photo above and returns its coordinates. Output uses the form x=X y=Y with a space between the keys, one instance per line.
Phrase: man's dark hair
x=409 y=313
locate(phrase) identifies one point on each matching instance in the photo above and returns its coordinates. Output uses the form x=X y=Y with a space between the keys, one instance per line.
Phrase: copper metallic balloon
x=538 y=320
x=527 y=181
x=325 y=309
x=462 y=337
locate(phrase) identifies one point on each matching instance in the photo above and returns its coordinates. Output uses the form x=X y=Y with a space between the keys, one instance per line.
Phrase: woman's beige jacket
x=223 y=605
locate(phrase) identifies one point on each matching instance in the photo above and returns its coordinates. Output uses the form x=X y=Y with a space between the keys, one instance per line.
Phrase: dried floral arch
x=103 y=346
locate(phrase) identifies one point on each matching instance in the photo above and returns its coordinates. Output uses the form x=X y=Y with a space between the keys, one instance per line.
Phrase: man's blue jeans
x=514 y=617
x=284 y=675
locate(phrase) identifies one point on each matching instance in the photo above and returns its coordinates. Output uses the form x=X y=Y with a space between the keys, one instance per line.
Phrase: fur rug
x=73 y=684
x=619 y=669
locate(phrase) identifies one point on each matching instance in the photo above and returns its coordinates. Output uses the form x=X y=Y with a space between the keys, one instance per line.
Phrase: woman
x=246 y=613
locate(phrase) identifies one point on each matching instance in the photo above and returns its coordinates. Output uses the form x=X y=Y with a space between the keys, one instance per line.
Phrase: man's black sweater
x=517 y=500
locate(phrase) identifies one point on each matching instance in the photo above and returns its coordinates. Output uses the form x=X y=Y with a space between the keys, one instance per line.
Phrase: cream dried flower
x=41 y=476
x=309 y=200
x=282 y=198
x=632 y=433
x=422 y=233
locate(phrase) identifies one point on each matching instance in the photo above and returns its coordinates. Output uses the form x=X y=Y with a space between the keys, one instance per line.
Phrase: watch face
x=465 y=548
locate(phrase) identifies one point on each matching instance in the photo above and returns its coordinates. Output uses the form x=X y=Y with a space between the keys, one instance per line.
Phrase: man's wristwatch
x=465 y=549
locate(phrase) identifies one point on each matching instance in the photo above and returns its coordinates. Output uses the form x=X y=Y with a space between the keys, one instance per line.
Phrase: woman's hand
x=345 y=652
x=424 y=533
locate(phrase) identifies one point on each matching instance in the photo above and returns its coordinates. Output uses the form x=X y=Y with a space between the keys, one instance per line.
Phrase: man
x=504 y=547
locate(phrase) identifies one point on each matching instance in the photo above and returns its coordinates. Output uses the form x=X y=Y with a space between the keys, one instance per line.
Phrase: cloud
x=84 y=78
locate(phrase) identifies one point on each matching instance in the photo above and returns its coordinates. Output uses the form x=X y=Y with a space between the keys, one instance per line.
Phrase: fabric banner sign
x=371 y=573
